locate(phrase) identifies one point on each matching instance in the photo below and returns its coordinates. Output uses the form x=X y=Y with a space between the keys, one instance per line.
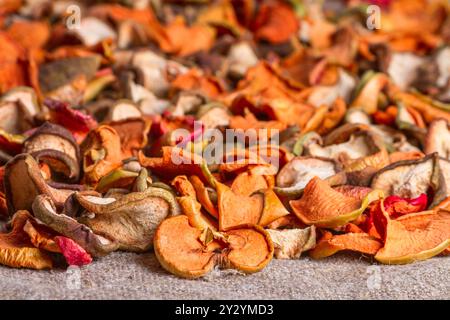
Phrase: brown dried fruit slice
x=101 y=152
x=324 y=207
x=235 y=209
x=16 y=249
x=131 y=220
x=55 y=146
x=290 y=243
x=97 y=246
x=248 y=249
x=408 y=178
x=415 y=237
x=40 y=235
x=359 y=242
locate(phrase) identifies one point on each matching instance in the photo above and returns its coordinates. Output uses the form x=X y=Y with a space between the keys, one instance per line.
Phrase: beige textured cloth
x=139 y=276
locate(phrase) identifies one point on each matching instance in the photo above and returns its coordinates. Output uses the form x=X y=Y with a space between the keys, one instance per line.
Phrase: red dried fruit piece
x=75 y=255
x=397 y=206
x=74 y=120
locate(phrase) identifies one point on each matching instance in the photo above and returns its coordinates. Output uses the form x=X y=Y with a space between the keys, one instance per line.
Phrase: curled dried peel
x=324 y=207
x=131 y=220
x=44 y=210
x=414 y=237
x=359 y=242
x=16 y=249
x=203 y=196
x=55 y=146
x=290 y=243
x=247 y=249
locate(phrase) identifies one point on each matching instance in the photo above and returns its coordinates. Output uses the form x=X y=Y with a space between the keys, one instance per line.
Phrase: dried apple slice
x=247 y=249
x=16 y=249
x=131 y=220
x=96 y=245
x=359 y=242
x=101 y=153
x=408 y=178
x=235 y=209
x=438 y=138
x=324 y=207
x=247 y=183
x=273 y=208
x=55 y=146
x=118 y=178
x=17 y=109
x=300 y=170
x=133 y=134
x=414 y=237
x=290 y=243
x=192 y=209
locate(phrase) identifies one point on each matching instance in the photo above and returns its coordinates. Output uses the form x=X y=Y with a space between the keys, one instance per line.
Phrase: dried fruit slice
x=359 y=242
x=408 y=178
x=133 y=134
x=367 y=99
x=101 y=152
x=203 y=196
x=247 y=183
x=235 y=209
x=324 y=207
x=300 y=170
x=438 y=138
x=192 y=209
x=248 y=249
x=396 y=206
x=55 y=146
x=290 y=243
x=118 y=178
x=415 y=237
x=131 y=220
x=40 y=235
x=97 y=246
x=17 y=251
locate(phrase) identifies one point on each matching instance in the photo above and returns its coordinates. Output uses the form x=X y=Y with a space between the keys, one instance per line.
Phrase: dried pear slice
x=359 y=242
x=415 y=237
x=324 y=207
x=132 y=219
x=97 y=246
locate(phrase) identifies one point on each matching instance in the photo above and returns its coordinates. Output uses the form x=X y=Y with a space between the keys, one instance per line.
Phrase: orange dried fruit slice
x=247 y=248
x=16 y=249
x=235 y=209
x=359 y=242
x=415 y=237
x=324 y=207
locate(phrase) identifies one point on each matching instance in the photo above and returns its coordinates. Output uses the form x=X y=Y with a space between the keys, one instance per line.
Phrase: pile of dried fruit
x=93 y=100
